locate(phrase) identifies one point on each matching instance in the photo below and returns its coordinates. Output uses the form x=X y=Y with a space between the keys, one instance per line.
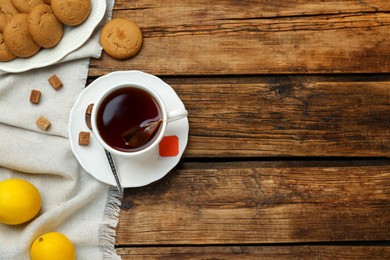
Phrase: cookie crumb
x=43 y=123
x=84 y=138
x=55 y=82
x=35 y=96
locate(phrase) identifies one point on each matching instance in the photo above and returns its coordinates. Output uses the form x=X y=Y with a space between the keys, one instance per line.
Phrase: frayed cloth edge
x=107 y=233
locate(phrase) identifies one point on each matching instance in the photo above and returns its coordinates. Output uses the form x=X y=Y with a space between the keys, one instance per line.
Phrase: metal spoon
x=113 y=170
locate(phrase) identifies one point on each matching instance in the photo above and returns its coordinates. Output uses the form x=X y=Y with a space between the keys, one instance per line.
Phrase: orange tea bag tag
x=169 y=146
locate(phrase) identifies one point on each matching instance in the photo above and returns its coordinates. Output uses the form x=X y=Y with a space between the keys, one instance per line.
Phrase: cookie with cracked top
x=71 y=12
x=25 y=6
x=45 y=29
x=121 y=38
x=17 y=37
x=7 y=10
x=5 y=54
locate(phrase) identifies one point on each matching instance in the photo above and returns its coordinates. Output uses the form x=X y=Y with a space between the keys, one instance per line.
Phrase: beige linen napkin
x=73 y=202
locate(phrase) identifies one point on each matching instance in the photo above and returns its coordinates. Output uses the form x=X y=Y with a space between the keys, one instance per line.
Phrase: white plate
x=72 y=39
x=134 y=172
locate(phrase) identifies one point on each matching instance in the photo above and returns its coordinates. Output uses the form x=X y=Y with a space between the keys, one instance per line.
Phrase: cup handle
x=176 y=115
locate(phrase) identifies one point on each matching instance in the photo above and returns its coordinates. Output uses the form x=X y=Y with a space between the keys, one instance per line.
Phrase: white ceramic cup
x=166 y=117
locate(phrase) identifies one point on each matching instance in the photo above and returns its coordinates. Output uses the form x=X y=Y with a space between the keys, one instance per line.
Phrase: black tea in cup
x=128 y=119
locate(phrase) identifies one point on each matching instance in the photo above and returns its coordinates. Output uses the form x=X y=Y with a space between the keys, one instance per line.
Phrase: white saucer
x=134 y=172
x=72 y=39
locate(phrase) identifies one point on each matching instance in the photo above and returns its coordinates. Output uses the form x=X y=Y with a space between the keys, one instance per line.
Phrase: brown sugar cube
x=55 y=82
x=89 y=109
x=43 y=123
x=84 y=138
x=88 y=114
x=35 y=96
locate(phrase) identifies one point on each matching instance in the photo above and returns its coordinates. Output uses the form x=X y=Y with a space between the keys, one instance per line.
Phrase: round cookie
x=5 y=54
x=44 y=27
x=71 y=12
x=17 y=37
x=7 y=10
x=25 y=6
x=121 y=38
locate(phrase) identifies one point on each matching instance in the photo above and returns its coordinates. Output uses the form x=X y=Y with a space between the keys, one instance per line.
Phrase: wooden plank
x=287 y=116
x=260 y=202
x=257 y=252
x=247 y=8
x=256 y=37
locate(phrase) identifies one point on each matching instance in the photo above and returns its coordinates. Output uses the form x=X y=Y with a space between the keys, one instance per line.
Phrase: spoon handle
x=114 y=172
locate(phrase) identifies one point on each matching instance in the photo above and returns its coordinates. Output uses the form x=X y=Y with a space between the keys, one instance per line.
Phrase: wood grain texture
x=260 y=80
x=260 y=202
x=256 y=37
x=257 y=252
x=286 y=116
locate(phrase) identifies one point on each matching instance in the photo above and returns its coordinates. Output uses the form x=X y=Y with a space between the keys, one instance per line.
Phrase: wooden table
x=289 y=111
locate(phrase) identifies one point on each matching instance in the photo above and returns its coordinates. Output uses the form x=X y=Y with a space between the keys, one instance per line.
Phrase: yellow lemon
x=52 y=246
x=19 y=201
